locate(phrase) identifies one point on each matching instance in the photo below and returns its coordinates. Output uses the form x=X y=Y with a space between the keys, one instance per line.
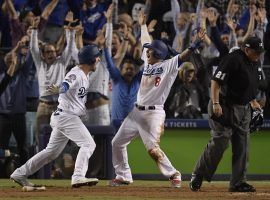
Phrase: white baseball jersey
x=67 y=125
x=156 y=82
x=74 y=99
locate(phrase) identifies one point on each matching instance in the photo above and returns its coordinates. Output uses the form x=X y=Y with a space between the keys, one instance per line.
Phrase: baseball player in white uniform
x=147 y=118
x=66 y=123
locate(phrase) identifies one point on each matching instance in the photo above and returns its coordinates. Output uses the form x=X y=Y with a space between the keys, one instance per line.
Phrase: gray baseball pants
x=238 y=134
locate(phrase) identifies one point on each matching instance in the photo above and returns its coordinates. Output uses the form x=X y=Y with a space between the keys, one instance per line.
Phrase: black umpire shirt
x=238 y=78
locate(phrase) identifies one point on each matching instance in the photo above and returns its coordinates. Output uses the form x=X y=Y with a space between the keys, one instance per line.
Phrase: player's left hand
x=200 y=35
x=53 y=89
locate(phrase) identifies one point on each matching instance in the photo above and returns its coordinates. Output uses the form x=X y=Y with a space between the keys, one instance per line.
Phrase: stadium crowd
x=40 y=40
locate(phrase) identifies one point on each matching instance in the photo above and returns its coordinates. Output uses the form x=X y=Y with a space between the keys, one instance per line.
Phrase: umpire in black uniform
x=233 y=91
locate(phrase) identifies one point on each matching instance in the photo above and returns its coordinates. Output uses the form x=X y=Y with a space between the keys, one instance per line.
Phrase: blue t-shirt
x=124 y=94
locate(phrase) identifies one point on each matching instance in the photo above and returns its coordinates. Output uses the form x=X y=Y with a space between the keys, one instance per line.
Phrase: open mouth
x=50 y=59
x=148 y=55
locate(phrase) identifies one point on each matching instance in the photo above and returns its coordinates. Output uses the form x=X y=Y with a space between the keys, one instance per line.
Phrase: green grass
x=184 y=146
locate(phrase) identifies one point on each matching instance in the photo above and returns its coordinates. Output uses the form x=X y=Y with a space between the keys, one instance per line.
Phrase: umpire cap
x=88 y=54
x=255 y=43
x=159 y=47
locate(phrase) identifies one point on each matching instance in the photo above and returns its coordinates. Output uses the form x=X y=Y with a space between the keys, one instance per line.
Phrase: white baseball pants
x=148 y=124
x=65 y=126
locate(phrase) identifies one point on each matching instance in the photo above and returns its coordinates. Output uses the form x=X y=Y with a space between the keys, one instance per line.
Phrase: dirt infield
x=135 y=191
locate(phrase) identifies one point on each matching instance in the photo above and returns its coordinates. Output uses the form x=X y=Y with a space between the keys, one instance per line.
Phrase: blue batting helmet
x=159 y=47
x=88 y=54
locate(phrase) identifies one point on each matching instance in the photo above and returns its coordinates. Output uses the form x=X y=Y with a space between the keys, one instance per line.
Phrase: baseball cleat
x=196 y=182
x=84 y=182
x=176 y=181
x=116 y=182
x=21 y=180
x=243 y=187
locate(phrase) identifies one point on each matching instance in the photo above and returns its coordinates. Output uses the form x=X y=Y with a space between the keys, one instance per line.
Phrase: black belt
x=49 y=102
x=145 y=107
x=59 y=109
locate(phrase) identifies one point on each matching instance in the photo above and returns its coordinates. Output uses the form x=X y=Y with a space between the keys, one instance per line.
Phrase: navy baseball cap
x=88 y=54
x=254 y=43
x=159 y=47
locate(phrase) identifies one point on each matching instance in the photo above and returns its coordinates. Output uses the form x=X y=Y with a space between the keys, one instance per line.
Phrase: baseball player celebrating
x=66 y=123
x=147 y=117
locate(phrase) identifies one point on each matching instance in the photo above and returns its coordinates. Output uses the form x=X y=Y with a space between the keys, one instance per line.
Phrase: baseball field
x=147 y=190
x=183 y=147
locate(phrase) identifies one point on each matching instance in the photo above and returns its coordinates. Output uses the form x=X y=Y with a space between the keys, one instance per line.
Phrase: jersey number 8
x=157 y=81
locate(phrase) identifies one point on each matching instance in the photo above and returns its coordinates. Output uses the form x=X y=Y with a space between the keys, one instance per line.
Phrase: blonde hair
x=186 y=66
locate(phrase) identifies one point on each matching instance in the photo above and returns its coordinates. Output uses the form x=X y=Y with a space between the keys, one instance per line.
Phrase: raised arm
x=175 y=13
x=114 y=72
x=215 y=35
x=34 y=47
x=199 y=7
x=60 y=44
x=49 y=9
x=145 y=37
x=147 y=8
x=79 y=33
x=199 y=39
x=115 y=12
x=27 y=64
x=230 y=9
x=109 y=26
x=13 y=67
x=203 y=15
x=128 y=38
x=233 y=38
x=70 y=37
x=251 y=23
x=260 y=19
x=11 y=9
